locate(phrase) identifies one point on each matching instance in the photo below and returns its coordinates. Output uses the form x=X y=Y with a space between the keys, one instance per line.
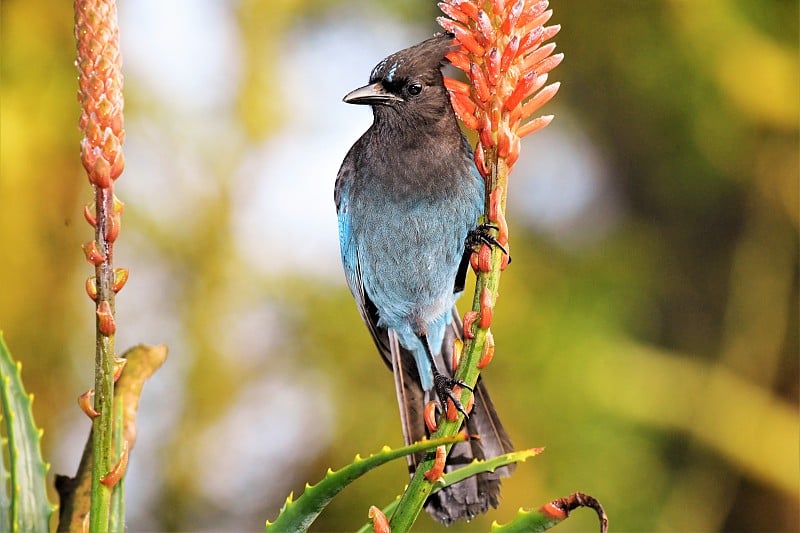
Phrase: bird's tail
x=474 y=495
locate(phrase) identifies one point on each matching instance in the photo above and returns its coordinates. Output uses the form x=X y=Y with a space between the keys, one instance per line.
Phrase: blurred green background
x=647 y=331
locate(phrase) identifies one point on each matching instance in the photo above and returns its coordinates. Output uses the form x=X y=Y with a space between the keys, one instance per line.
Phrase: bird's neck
x=416 y=128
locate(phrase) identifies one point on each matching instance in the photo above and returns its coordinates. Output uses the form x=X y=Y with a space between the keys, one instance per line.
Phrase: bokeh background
x=647 y=331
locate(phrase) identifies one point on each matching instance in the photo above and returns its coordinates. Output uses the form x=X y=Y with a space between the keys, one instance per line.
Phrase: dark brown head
x=410 y=81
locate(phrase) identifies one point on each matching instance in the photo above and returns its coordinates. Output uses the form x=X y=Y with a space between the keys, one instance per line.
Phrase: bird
x=408 y=200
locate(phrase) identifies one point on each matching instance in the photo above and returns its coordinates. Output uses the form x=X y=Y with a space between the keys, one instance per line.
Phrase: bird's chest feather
x=410 y=221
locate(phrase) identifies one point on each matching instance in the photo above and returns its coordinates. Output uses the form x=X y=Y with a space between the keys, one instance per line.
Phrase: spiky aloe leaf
x=5 y=499
x=298 y=515
x=551 y=514
x=472 y=469
x=30 y=509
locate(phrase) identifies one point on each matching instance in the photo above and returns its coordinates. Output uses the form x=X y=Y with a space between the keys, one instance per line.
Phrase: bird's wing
x=350 y=261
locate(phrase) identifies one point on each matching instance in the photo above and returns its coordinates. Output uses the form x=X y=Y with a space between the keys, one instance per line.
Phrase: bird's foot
x=483 y=235
x=444 y=390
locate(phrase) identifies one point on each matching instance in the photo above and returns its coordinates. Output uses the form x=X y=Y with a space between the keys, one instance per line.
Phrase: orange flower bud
x=100 y=174
x=120 y=279
x=93 y=255
x=456 y=86
x=510 y=53
x=531 y=13
x=463 y=35
x=469 y=319
x=435 y=473
x=464 y=108
x=539 y=99
x=545 y=65
x=488 y=351
x=511 y=19
x=551 y=31
x=90 y=218
x=534 y=125
x=116 y=473
x=91 y=287
x=117 y=165
x=454 y=12
x=85 y=403
x=469 y=9
x=485 y=130
x=530 y=40
x=429 y=416
x=458 y=60
x=532 y=59
x=485 y=258
x=495 y=197
x=112 y=227
x=458 y=346
x=479 y=82
x=106 y=319
x=541 y=19
x=493 y=66
x=379 y=522
x=520 y=91
x=487 y=32
x=473 y=262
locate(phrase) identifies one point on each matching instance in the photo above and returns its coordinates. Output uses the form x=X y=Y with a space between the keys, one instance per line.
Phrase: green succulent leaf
x=474 y=468
x=28 y=508
x=299 y=514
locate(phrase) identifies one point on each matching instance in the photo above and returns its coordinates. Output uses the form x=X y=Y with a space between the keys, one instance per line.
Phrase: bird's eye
x=414 y=89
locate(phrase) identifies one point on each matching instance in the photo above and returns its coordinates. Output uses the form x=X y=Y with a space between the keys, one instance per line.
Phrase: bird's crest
x=425 y=57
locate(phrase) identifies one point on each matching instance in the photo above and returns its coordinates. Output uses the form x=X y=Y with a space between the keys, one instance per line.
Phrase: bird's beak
x=374 y=94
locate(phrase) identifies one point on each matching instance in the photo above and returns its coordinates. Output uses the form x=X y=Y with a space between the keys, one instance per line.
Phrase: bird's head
x=408 y=80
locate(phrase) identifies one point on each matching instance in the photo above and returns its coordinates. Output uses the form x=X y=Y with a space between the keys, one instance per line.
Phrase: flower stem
x=102 y=425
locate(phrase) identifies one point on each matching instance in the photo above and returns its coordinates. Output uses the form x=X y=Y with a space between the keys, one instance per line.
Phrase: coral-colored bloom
x=100 y=90
x=503 y=55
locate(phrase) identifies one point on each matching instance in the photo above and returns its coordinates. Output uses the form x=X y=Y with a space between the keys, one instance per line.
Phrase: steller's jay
x=407 y=196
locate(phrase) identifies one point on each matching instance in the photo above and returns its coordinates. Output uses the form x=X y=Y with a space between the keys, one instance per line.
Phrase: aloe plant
x=27 y=507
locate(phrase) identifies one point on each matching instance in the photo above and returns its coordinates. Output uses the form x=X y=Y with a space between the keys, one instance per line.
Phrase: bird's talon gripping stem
x=482 y=235
x=444 y=390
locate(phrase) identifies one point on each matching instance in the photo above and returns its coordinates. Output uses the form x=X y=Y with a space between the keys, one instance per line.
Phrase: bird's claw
x=444 y=390
x=482 y=235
